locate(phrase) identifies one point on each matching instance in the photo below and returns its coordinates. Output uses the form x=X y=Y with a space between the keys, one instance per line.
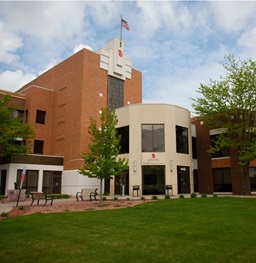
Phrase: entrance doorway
x=52 y=182
x=2 y=181
x=183 y=180
x=153 y=180
x=122 y=183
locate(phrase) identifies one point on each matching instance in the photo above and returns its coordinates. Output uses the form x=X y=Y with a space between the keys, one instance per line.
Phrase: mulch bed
x=71 y=207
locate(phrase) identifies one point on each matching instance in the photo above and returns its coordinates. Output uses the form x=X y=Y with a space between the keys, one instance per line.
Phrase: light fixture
x=134 y=166
x=171 y=165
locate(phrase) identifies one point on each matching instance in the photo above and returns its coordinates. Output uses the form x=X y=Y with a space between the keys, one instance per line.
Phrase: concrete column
x=40 y=181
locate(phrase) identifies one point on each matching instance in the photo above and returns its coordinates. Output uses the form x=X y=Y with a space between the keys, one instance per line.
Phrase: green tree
x=11 y=129
x=101 y=160
x=230 y=103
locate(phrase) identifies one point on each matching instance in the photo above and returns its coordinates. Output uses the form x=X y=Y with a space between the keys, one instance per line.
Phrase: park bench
x=87 y=192
x=39 y=196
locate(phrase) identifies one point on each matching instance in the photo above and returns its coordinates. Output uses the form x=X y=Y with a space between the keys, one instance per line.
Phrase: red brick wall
x=76 y=84
x=205 y=178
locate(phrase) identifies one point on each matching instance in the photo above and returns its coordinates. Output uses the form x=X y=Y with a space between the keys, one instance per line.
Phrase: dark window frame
x=224 y=152
x=152 y=141
x=182 y=145
x=40 y=116
x=115 y=93
x=38 y=147
x=124 y=132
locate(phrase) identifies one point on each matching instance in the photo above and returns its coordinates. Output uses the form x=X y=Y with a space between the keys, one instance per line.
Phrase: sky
x=175 y=44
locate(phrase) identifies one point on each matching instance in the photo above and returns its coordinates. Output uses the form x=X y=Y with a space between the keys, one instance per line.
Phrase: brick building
x=219 y=172
x=59 y=103
x=167 y=152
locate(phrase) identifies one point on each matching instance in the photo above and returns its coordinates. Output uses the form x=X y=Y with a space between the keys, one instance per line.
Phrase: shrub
x=4 y=214
x=154 y=197
x=127 y=198
x=116 y=198
x=182 y=196
x=167 y=197
x=104 y=198
x=193 y=195
x=2 y=197
x=61 y=196
x=21 y=208
x=215 y=195
x=142 y=198
x=204 y=195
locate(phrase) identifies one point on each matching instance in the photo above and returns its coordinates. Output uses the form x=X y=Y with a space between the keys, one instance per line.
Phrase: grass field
x=180 y=230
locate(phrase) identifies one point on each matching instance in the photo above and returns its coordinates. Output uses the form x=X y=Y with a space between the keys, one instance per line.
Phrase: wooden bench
x=87 y=192
x=39 y=196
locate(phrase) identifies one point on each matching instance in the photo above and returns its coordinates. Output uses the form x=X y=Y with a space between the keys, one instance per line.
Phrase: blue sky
x=176 y=44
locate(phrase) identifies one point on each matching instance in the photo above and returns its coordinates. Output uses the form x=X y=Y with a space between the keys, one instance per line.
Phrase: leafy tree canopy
x=12 y=129
x=101 y=160
x=230 y=103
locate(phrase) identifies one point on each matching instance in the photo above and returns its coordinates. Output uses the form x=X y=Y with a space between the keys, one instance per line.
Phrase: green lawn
x=178 y=230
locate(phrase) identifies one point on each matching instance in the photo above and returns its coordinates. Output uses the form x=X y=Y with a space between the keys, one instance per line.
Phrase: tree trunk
x=245 y=177
x=100 y=192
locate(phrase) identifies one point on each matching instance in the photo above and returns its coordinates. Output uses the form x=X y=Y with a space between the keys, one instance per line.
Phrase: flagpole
x=121 y=32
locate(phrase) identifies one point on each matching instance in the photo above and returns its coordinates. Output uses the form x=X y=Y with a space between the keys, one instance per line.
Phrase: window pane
x=147 y=138
x=158 y=139
x=152 y=137
x=38 y=146
x=253 y=179
x=124 y=142
x=115 y=93
x=222 y=152
x=222 y=180
x=182 y=139
x=40 y=116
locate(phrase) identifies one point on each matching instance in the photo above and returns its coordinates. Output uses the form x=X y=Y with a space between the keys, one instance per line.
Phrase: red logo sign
x=153 y=155
x=120 y=53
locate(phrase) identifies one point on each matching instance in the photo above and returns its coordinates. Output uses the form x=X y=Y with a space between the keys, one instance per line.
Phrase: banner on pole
x=22 y=179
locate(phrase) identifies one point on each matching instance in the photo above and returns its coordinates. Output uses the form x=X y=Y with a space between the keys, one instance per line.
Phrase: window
x=183 y=179
x=153 y=180
x=194 y=153
x=40 y=116
x=181 y=139
x=115 y=93
x=38 y=146
x=222 y=180
x=252 y=172
x=18 y=114
x=224 y=152
x=124 y=141
x=31 y=180
x=152 y=137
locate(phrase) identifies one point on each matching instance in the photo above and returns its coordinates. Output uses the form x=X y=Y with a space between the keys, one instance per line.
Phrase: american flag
x=125 y=24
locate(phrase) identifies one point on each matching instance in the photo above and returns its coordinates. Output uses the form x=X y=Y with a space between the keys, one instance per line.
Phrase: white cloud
x=78 y=47
x=45 y=20
x=14 y=80
x=177 y=44
x=233 y=15
x=52 y=63
x=8 y=45
x=248 y=39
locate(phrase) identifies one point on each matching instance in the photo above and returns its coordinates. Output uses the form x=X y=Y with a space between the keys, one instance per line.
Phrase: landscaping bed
x=72 y=206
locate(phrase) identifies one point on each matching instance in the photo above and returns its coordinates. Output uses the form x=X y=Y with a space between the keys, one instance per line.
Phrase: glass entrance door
x=52 y=182
x=183 y=180
x=153 y=180
x=122 y=183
